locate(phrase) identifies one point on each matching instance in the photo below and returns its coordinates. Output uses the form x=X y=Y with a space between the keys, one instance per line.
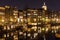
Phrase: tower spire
x=44 y=3
x=44 y=6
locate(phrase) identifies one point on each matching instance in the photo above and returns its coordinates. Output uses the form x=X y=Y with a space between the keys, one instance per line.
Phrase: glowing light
x=4 y=27
x=7 y=6
x=29 y=35
x=18 y=20
x=20 y=33
x=7 y=35
x=8 y=28
x=57 y=27
x=47 y=29
x=24 y=34
x=2 y=20
x=29 y=29
x=44 y=6
x=15 y=37
x=21 y=20
x=4 y=35
x=57 y=35
x=11 y=19
x=34 y=19
x=34 y=23
x=43 y=29
x=11 y=34
x=57 y=19
x=12 y=26
x=2 y=8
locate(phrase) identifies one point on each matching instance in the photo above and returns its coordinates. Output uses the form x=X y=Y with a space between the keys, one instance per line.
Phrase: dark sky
x=21 y=4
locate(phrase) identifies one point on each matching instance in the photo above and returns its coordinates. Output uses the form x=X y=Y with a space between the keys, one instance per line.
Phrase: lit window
x=4 y=35
x=29 y=35
x=35 y=19
x=28 y=14
x=20 y=33
x=7 y=35
x=8 y=28
x=21 y=17
x=4 y=27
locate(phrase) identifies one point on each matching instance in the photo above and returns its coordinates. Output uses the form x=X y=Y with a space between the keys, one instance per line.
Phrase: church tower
x=44 y=6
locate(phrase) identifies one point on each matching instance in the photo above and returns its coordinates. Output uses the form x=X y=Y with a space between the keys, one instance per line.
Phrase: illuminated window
x=4 y=27
x=34 y=19
x=29 y=35
x=20 y=16
x=4 y=35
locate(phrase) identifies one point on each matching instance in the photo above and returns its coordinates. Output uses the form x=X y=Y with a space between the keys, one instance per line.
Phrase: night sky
x=22 y=4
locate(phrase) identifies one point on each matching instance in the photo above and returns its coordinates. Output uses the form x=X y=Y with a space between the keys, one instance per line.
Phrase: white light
x=52 y=31
x=4 y=35
x=57 y=27
x=57 y=19
x=34 y=12
x=11 y=34
x=12 y=26
x=21 y=20
x=7 y=35
x=43 y=29
x=47 y=29
x=21 y=17
x=18 y=19
x=35 y=34
x=34 y=23
x=8 y=28
x=20 y=33
x=24 y=34
x=29 y=34
x=4 y=27
x=2 y=20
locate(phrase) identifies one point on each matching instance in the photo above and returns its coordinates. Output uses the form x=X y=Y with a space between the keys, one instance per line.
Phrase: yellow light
x=52 y=31
x=11 y=19
x=15 y=37
x=2 y=20
x=57 y=19
x=2 y=39
x=43 y=29
x=29 y=29
x=12 y=26
x=4 y=35
x=18 y=19
x=34 y=28
x=29 y=34
x=2 y=8
x=15 y=11
x=24 y=34
x=15 y=17
x=21 y=20
x=57 y=27
x=28 y=20
x=33 y=23
x=47 y=20
x=7 y=35
x=4 y=27
x=35 y=34
x=34 y=19
x=7 y=6
x=11 y=34
x=47 y=29
x=20 y=33
x=8 y=28
x=57 y=35
x=34 y=11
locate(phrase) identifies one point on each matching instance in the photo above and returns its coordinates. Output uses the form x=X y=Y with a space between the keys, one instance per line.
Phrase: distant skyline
x=22 y=4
